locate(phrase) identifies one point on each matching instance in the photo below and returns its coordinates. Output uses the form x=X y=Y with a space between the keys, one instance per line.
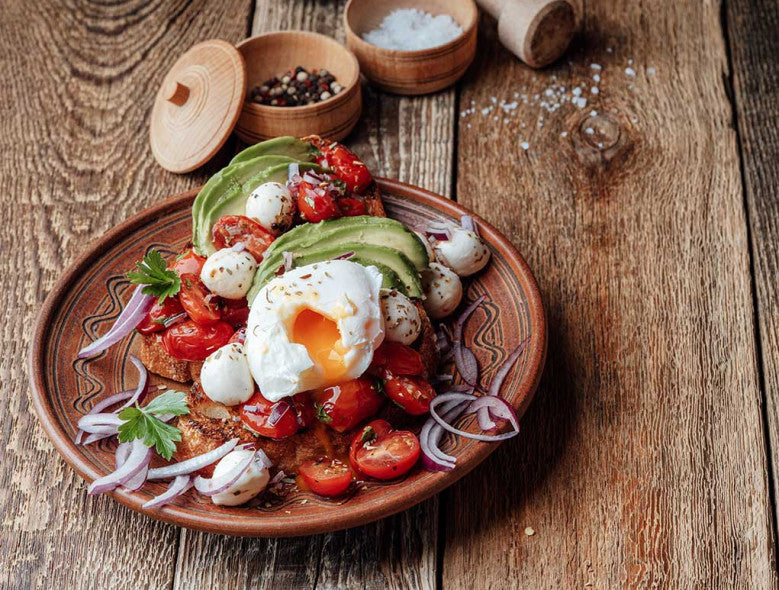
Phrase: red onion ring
x=217 y=485
x=99 y=423
x=466 y=363
x=143 y=377
x=193 y=464
x=344 y=256
x=483 y=415
x=136 y=481
x=139 y=457
x=131 y=316
x=438 y=400
x=177 y=487
x=433 y=459
x=293 y=170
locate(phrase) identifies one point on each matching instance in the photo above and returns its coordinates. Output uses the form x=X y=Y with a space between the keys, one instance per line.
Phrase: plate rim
x=249 y=526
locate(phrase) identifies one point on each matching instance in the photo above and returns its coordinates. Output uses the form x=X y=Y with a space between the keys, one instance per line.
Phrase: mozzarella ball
x=401 y=317
x=428 y=246
x=463 y=252
x=271 y=205
x=251 y=483
x=228 y=273
x=225 y=376
x=443 y=291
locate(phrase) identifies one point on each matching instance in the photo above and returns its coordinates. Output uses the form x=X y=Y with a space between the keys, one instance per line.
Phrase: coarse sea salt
x=410 y=29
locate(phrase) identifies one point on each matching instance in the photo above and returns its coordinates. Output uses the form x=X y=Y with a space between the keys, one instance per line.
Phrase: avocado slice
x=398 y=271
x=226 y=192
x=364 y=229
x=279 y=146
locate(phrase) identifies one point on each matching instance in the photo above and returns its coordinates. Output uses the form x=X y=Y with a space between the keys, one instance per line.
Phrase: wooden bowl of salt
x=412 y=46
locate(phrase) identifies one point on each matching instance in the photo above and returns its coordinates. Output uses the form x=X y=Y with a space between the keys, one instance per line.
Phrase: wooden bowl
x=412 y=72
x=271 y=54
x=91 y=293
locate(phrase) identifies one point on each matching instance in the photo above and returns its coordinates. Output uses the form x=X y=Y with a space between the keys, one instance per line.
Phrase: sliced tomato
x=326 y=477
x=270 y=419
x=239 y=336
x=201 y=305
x=384 y=454
x=154 y=320
x=189 y=263
x=346 y=166
x=315 y=205
x=231 y=229
x=351 y=207
x=397 y=358
x=368 y=432
x=413 y=394
x=235 y=311
x=304 y=407
x=345 y=405
x=190 y=341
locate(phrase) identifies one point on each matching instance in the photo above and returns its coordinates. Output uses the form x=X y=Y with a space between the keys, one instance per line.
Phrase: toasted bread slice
x=155 y=358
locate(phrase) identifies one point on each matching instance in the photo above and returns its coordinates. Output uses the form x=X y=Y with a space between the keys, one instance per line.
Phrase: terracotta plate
x=93 y=290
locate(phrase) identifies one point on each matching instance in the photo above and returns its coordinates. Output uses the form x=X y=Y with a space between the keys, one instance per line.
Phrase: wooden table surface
x=649 y=456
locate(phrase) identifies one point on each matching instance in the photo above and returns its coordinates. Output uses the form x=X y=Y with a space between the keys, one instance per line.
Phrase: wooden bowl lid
x=197 y=105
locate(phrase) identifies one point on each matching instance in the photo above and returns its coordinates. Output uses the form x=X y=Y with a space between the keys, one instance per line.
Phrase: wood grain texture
x=753 y=35
x=642 y=462
x=76 y=161
x=410 y=139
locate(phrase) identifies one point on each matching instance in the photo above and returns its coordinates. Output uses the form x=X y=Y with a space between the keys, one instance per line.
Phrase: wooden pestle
x=536 y=31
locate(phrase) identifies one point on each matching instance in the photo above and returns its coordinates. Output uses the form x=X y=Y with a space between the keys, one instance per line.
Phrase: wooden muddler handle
x=536 y=31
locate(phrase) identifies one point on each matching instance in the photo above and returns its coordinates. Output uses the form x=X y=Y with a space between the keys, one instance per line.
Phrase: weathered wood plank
x=642 y=461
x=404 y=138
x=80 y=79
x=753 y=36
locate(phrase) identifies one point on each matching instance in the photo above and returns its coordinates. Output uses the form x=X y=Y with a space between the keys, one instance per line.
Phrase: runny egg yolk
x=320 y=336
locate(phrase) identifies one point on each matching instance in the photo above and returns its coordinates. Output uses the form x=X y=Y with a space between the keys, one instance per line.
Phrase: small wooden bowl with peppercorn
x=299 y=83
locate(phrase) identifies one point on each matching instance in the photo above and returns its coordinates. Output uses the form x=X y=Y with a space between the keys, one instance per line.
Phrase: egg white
x=343 y=291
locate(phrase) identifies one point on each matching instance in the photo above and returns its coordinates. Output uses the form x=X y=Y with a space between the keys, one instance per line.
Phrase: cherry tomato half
x=266 y=418
x=413 y=394
x=345 y=405
x=154 y=319
x=231 y=229
x=235 y=312
x=189 y=263
x=398 y=359
x=351 y=207
x=347 y=167
x=384 y=455
x=367 y=433
x=315 y=206
x=304 y=407
x=326 y=477
x=201 y=305
x=190 y=341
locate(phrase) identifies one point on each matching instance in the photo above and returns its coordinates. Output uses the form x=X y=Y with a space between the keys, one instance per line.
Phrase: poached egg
x=314 y=326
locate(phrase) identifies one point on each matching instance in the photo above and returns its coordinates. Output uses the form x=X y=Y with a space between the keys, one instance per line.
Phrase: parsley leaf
x=154 y=273
x=322 y=414
x=144 y=424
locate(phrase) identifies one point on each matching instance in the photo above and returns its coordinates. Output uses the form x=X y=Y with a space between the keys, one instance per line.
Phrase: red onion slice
x=136 y=481
x=433 y=458
x=130 y=317
x=276 y=478
x=217 y=485
x=287 y=256
x=179 y=485
x=99 y=423
x=102 y=405
x=466 y=363
x=466 y=221
x=96 y=437
x=277 y=412
x=263 y=460
x=344 y=256
x=293 y=170
x=438 y=400
x=483 y=415
x=143 y=378
x=457 y=332
x=193 y=464
x=139 y=457
x=175 y=319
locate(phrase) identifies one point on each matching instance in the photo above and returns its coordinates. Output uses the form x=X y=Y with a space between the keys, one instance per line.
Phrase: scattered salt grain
x=529 y=531
x=579 y=102
x=651 y=71
x=596 y=77
x=410 y=29
x=594 y=90
x=596 y=66
x=524 y=145
x=630 y=71
x=589 y=131
x=564 y=134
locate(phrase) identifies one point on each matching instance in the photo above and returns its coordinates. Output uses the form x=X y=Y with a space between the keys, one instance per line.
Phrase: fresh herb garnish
x=322 y=414
x=154 y=273
x=368 y=434
x=144 y=424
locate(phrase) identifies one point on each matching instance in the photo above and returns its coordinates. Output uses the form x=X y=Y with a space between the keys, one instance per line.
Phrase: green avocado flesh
x=226 y=192
x=280 y=146
x=378 y=241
